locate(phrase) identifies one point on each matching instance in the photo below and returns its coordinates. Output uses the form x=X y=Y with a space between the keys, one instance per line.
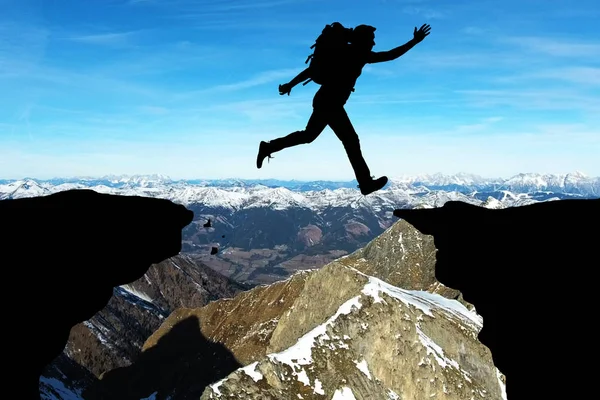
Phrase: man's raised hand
x=422 y=32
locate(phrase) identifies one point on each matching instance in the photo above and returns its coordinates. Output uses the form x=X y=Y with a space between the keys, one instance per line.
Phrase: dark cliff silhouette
x=339 y=57
x=179 y=367
x=62 y=255
x=528 y=271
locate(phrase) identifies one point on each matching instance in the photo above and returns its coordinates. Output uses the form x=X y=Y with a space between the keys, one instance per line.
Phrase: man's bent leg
x=343 y=129
x=316 y=124
x=314 y=127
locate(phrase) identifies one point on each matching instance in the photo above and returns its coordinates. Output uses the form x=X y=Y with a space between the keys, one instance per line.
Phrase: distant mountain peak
x=235 y=194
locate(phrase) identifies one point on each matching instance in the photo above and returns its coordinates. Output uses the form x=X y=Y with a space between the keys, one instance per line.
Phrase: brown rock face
x=114 y=336
x=245 y=323
x=237 y=329
x=351 y=333
x=403 y=257
x=310 y=235
x=356 y=229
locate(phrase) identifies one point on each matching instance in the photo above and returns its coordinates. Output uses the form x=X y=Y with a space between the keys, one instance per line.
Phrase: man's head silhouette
x=363 y=36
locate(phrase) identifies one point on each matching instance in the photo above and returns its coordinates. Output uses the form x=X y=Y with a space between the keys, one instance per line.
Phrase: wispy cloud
x=539 y=99
x=24 y=52
x=63 y=80
x=586 y=76
x=473 y=30
x=260 y=79
x=404 y=97
x=252 y=4
x=555 y=46
x=462 y=59
x=481 y=126
x=279 y=75
x=212 y=6
x=269 y=110
x=179 y=57
x=107 y=39
x=154 y=110
x=425 y=12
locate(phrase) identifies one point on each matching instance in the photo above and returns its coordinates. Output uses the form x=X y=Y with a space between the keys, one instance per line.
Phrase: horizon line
x=168 y=178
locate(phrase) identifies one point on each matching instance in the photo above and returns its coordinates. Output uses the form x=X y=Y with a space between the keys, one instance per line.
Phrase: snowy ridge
x=423 y=301
x=299 y=356
x=419 y=191
x=138 y=299
x=131 y=290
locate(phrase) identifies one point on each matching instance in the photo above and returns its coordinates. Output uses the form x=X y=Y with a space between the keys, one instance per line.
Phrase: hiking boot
x=263 y=151
x=373 y=185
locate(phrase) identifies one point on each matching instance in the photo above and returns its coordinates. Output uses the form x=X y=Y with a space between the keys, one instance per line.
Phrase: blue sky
x=188 y=88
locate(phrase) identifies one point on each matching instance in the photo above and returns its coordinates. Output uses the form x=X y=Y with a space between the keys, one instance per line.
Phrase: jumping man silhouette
x=328 y=103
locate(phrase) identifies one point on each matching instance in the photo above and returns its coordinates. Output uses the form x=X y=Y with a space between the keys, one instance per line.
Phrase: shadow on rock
x=528 y=272
x=64 y=253
x=179 y=366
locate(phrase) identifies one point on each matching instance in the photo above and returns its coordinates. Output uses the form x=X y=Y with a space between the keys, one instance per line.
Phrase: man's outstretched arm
x=301 y=77
x=382 y=56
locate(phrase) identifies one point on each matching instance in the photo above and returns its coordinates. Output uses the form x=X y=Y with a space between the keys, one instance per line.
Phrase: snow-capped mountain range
x=235 y=194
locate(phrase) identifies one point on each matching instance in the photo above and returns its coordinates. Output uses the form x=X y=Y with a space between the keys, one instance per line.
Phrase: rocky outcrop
x=402 y=257
x=66 y=252
x=410 y=335
x=528 y=271
x=183 y=356
x=310 y=235
x=348 y=332
x=114 y=336
x=243 y=325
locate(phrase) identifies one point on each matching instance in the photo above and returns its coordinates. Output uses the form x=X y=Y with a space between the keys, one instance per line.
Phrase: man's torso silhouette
x=328 y=109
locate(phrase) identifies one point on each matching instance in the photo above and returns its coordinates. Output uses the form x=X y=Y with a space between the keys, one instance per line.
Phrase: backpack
x=330 y=50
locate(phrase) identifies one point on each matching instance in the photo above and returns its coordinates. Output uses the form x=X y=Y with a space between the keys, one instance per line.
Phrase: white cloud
x=560 y=47
x=22 y=47
x=425 y=12
x=273 y=76
x=588 y=76
x=473 y=30
x=154 y=110
x=283 y=75
x=538 y=99
x=107 y=39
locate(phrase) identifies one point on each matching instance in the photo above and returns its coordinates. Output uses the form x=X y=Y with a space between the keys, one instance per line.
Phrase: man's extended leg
x=316 y=124
x=343 y=129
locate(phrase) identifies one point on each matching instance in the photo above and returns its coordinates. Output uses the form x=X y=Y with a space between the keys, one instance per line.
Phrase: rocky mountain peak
x=346 y=328
x=401 y=256
x=351 y=333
